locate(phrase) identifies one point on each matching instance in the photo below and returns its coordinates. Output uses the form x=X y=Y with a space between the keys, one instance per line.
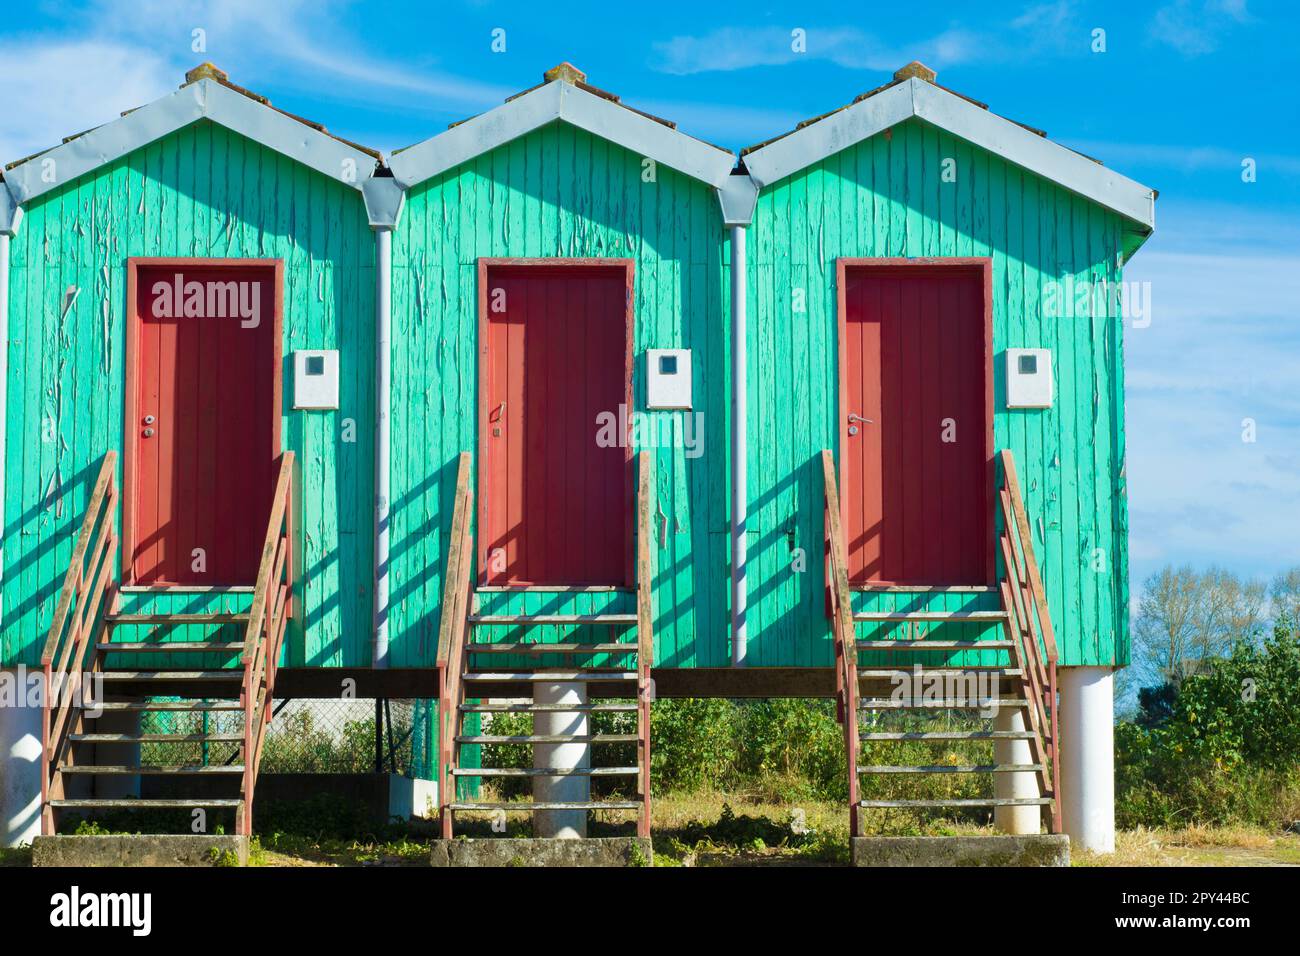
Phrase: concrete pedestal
x=20 y=762
x=1088 y=757
x=1019 y=786
x=562 y=824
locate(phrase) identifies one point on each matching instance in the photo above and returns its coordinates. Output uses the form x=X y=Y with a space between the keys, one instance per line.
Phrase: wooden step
x=153 y=738
x=133 y=803
x=551 y=739
x=887 y=703
x=952 y=735
x=155 y=771
x=229 y=674
x=964 y=802
x=530 y=807
x=540 y=676
x=551 y=648
x=924 y=588
x=184 y=706
x=950 y=617
x=171 y=647
x=957 y=768
x=545 y=772
x=926 y=645
x=982 y=669
x=486 y=620
x=222 y=617
x=545 y=708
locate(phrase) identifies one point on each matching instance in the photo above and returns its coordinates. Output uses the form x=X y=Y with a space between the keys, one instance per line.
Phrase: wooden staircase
x=1016 y=669
x=621 y=682
x=216 y=693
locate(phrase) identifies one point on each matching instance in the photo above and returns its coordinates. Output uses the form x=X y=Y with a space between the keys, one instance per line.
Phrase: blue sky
x=1184 y=91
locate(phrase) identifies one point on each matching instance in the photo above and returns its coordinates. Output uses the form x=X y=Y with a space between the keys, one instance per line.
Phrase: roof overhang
x=558 y=100
x=203 y=99
x=964 y=119
x=11 y=214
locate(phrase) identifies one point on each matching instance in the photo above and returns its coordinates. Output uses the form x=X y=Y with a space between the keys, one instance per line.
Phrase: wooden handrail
x=88 y=590
x=268 y=618
x=1029 y=625
x=1035 y=581
x=456 y=586
x=644 y=629
x=840 y=607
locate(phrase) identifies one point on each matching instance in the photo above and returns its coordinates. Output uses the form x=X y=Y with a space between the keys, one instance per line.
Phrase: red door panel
x=915 y=475
x=556 y=504
x=204 y=435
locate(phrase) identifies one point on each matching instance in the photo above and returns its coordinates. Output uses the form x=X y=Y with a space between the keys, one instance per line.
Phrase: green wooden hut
x=563 y=410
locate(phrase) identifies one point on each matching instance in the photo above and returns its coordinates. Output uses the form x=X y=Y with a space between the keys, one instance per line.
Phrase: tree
x=1186 y=619
x=1286 y=597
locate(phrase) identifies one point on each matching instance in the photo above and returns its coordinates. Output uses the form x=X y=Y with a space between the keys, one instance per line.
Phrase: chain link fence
x=307 y=736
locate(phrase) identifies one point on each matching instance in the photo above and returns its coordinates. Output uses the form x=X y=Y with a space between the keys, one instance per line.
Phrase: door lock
x=149 y=419
x=853 y=429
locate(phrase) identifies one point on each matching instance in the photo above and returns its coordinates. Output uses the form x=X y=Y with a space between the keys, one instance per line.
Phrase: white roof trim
x=205 y=99
x=962 y=118
x=558 y=100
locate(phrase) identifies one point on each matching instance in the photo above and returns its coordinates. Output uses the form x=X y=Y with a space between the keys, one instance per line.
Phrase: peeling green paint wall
x=558 y=192
x=200 y=192
x=886 y=197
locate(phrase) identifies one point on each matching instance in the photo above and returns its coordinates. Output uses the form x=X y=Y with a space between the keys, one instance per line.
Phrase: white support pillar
x=1014 y=786
x=20 y=760
x=1087 y=773
x=562 y=824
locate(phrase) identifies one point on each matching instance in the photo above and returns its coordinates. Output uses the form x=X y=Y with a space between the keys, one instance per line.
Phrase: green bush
x=1225 y=751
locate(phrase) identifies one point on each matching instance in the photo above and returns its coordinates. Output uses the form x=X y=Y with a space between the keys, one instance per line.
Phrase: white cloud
x=124 y=53
x=1223 y=346
x=1194 y=28
x=739 y=48
x=1187 y=158
x=1039 y=27
x=53 y=89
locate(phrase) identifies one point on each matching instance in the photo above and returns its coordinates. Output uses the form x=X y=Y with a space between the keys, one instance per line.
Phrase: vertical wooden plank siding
x=201 y=192
x=560 y=192
x=887 y=197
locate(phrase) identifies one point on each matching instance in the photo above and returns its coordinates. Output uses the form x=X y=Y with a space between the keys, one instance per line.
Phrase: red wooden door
x=556 y=504
x=203 y=431
x=916 y=475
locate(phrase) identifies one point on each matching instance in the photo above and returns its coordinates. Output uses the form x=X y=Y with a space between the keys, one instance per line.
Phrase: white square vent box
x=1029 y=378
x=316 y=379
x=668 y=380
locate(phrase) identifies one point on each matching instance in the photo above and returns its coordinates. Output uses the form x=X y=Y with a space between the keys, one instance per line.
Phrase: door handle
x=853 y=428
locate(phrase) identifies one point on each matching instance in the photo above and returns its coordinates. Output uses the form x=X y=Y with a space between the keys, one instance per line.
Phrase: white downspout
x=739 y=449
x=383 y=431
x=738 y=196
x=384 y=199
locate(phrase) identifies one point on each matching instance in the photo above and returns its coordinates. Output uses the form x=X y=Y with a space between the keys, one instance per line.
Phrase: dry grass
x=1198 y=846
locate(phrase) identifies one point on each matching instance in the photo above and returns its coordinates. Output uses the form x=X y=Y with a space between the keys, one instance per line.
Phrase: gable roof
x=914 y=93
x=206 y=94
x=564 y=95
